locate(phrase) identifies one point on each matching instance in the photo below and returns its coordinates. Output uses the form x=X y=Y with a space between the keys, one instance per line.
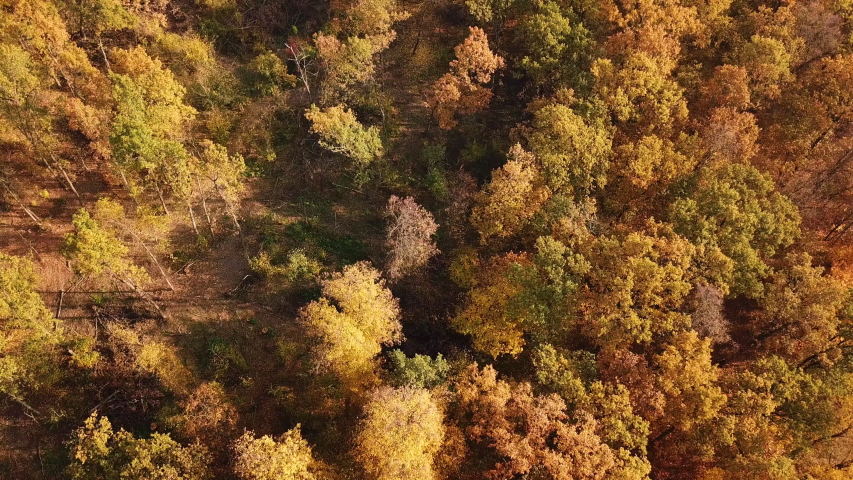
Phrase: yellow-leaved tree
x=514 y=195
x=401 y=432
x=288 y=458
x=355 y=317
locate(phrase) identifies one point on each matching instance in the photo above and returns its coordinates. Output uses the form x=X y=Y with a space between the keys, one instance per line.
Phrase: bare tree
x=409 y=238
x=705 y=304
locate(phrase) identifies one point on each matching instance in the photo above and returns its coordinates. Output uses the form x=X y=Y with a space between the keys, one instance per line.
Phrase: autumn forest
x=426 y=239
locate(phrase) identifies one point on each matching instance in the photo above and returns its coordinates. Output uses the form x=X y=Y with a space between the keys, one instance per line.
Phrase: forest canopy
x=444 y=239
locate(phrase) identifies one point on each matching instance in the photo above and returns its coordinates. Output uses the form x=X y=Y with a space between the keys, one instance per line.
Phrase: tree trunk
x=192 y=217
x=142 y=293
x=160 y=195
x=29 y=212
x=157 y=264
x=229 y=208
x=204 y=206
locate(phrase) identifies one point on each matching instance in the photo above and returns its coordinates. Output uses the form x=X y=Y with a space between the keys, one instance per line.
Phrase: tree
x=96 y=17
x=527 y=434
x=224 y=173
x=800 y=311
x=351 y=322
x=341 y=133
x=269 y=74
x=688 y=381
x=519 y=294
x=655 y=29
x=514 y=194
x=400 y=433
x=574 y=154
x=727 y=87
x=640 y=95
x=149 y=125
x=651 y=161
x=495 y=323
x=360 y=30
x=99 y=453
x=768 y=61
x=346 y=64
x=736 y=208
x=761 y=400
x=23 y=104
x=419 y=371
x=371 y=19
x=494 y=12
x=287 y=458
x=705 y=304
x=28 y=332
x=730 y=135
x=636 y=286
x=207 y=415
x=146 y=231
x=558 y=48
x=575 y=377
x=409 y=237
x=94 y=251
x=461 y=90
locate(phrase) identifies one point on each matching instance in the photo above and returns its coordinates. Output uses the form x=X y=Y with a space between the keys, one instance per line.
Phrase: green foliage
x=573 y=153
x=356 y=316
x=341 y=133
x=149 y=123
x=636 y=286
x=101 y=16
x=268 y=75
x=801 y=310
x=325 y=244
x=420 y=371
x=225 y=360
x=184 y=54
x=486 y=11
x=94 y=250
x=28 y=332
x=737 y=209
x=557 y=48
x=297 y=268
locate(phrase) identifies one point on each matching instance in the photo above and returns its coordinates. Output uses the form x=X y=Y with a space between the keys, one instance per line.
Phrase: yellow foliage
x=495 y=329
x=288 y=458
x=401 y=432
x=351 y=331
x=161 y=360
x=513 y=196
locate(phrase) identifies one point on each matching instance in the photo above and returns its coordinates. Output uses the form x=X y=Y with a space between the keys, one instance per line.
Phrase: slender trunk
x=124 y=178
x=160 y=195
x=39 y=147
x=29 y=212
x=192 y=217
x=70 y=183
x=157 y=264
x=24 y=404
x=59 y=303
x=142 y=293
x=228 y=208
x=303 y=71
x=204 y=206
x=417 y=43
x=104 y=53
